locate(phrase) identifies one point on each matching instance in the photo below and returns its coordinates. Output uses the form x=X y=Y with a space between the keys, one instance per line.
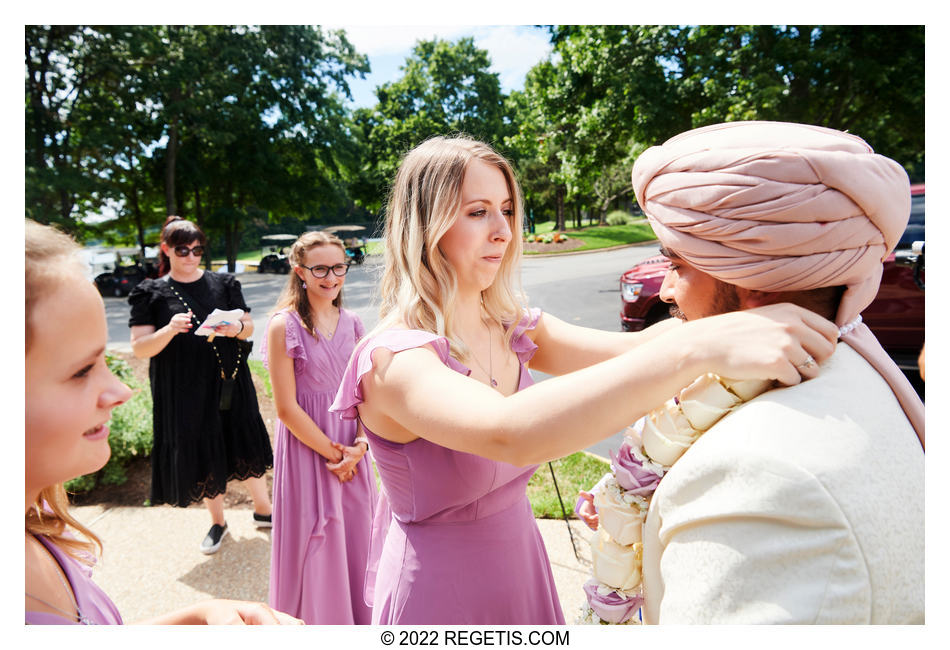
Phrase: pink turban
x=775 y=206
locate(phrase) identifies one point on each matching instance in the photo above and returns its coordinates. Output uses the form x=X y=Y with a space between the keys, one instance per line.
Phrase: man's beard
x=676 y=313
x=725 y=299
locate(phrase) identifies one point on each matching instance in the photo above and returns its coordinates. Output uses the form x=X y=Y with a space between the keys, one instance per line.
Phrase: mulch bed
x=135 y=491
x=570 y=244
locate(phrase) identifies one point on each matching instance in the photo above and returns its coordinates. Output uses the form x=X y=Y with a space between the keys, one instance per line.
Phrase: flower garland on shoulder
x=614 y=593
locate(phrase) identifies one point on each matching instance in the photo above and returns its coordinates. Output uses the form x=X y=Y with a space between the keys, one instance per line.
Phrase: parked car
x=896 y=316
x=273 y=257
x=120 y=281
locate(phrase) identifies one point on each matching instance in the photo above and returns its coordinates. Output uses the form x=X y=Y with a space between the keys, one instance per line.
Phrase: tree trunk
x=139 y=225
x=199 y=213
x=559 y=208
x=171 y=155
x=229 y=230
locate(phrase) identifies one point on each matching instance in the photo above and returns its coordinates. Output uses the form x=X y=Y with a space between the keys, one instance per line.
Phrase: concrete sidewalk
x=151 y=563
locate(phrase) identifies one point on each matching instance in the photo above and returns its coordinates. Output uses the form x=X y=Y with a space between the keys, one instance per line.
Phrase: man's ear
x=751 y=298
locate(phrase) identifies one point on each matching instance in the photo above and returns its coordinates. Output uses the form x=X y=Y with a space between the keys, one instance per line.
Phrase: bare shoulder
x=278 y=323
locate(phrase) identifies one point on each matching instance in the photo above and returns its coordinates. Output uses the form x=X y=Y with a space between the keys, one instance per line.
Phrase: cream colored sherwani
x=805 y=505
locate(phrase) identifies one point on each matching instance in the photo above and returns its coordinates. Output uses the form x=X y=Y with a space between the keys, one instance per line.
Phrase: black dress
x=197 y=446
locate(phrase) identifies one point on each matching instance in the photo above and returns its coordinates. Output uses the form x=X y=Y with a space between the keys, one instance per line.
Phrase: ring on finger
x=807 y=363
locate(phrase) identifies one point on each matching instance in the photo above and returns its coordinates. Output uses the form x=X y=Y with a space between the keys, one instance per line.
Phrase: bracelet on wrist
x=240 y=330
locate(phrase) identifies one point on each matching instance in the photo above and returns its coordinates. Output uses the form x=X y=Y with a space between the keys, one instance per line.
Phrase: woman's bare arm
x=284 y=385
x=413 y=392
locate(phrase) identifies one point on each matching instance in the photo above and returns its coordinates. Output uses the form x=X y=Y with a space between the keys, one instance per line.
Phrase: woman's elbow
x=509 y=446
x=285 y=410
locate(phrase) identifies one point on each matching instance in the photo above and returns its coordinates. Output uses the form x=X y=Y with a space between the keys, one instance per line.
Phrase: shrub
x=130 y=432
x=619 y=218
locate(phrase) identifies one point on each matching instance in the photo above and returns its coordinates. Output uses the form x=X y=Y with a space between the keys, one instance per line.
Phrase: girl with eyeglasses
x=70 y=394
x=324 y=489
x=207 y=424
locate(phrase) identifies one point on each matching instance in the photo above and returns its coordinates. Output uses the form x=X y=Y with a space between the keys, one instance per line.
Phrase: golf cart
x=273 y=259
x=355 y=246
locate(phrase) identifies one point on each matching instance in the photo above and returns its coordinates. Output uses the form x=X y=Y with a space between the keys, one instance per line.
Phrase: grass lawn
x=257 y=367
x=578 y=471
x=595 y=237
x=374 y=247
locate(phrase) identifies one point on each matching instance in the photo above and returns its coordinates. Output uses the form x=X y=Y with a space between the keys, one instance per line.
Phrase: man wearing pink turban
x=805 y=504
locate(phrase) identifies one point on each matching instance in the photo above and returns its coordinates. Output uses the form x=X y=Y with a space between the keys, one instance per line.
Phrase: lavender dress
x=321 y=534
x=454 y=541
x=93 y=604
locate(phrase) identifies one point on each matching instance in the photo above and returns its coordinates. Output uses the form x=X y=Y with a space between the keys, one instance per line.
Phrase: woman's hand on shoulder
x=771 y=342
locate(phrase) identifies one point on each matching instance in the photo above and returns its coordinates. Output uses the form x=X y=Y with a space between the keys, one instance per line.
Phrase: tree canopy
x=237 y=127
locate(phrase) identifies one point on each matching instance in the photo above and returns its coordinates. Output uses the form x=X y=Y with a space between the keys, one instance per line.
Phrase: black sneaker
x=212 y=541
x=262 y=521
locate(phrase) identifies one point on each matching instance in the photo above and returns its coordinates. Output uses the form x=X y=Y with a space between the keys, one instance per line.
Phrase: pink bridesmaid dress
x=92 y=603
x=321 y=534
x=455 y=541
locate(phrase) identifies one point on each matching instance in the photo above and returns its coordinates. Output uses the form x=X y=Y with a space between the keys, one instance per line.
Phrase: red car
x=896 y=316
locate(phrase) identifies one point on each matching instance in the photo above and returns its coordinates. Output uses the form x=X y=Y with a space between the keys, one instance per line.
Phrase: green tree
x=62 y=69
x=224 y=123
x=445 y=88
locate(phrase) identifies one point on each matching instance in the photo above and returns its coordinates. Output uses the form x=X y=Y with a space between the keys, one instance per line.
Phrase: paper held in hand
x=218 y=317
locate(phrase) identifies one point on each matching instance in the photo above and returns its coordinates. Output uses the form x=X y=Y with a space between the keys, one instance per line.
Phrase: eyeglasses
x=183 y=251
x=320 y=271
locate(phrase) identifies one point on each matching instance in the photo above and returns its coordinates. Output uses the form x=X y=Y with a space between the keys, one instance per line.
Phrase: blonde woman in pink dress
x=442 y=389
x=324 y=488
x=70 y=394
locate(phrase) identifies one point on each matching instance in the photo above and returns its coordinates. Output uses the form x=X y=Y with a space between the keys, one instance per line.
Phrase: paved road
x=582 y=288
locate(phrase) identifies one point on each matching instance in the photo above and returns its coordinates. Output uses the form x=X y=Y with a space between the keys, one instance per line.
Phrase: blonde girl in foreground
x=70 y=394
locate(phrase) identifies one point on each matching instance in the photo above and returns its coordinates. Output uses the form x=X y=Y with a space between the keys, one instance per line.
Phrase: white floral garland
x=614 y=592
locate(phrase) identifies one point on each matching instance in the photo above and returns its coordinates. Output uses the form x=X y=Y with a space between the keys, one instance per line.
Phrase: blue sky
x=513 y=49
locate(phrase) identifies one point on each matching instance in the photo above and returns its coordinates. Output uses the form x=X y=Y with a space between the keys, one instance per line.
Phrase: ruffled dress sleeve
x=358 y=329
x=232 y=287
x=293 y=339
x=142 y=299
x=350 y=394
x=521 y=343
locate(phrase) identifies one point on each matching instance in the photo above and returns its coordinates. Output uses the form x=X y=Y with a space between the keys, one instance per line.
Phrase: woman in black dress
x=207 y=425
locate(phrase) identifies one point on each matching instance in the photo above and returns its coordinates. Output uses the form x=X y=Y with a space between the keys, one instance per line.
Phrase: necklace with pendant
x=327 y=334
x=490 y=372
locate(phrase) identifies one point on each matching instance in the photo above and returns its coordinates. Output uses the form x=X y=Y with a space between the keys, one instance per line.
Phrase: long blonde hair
x=418 y=282
x=294 y=295
x=51 y=256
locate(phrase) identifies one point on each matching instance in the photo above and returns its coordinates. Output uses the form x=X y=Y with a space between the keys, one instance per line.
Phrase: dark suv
x=120 y=281
x=896 y=316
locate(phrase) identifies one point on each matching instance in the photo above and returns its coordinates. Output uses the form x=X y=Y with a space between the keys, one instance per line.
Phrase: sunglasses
x=183 y=251
x=320 y=271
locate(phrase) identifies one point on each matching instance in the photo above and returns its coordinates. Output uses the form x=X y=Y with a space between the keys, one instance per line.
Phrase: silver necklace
x=490 y=371
x=78 y=616
x=327 y=334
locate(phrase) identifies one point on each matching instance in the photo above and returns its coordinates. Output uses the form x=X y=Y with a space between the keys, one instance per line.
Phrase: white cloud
x=514 y=50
